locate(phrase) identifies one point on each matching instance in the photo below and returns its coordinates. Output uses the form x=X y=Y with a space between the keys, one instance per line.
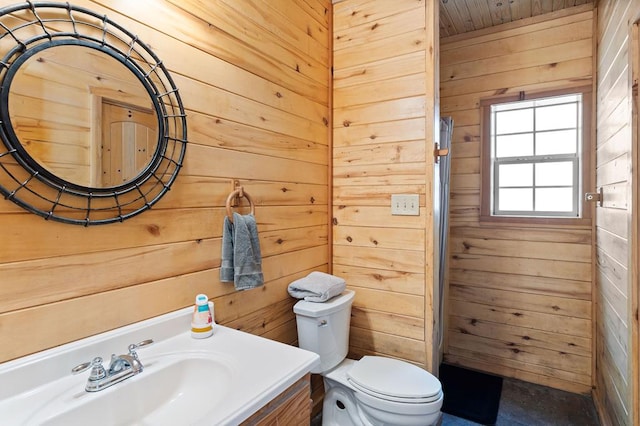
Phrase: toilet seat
x=394 y=380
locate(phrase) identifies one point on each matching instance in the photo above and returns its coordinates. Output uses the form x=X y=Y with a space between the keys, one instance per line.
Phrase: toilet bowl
x=373 y=391
x=346 y=402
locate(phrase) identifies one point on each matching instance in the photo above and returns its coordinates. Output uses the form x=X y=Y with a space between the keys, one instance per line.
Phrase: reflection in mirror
x=84 y=116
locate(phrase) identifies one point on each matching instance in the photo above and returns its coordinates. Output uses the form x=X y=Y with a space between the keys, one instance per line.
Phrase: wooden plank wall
x=383 y=106
x=519 y=297
x=254 y=78
x=617 y=366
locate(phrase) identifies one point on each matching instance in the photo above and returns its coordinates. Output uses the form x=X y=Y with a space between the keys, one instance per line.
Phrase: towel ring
x=238 y=193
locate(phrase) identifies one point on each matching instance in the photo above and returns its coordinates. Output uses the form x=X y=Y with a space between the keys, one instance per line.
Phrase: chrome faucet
x=120 y=368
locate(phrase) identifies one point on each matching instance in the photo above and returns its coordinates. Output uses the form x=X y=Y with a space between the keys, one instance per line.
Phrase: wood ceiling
x=461 y=16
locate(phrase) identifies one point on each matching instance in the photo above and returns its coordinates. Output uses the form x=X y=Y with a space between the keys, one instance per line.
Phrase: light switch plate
x=405 y=205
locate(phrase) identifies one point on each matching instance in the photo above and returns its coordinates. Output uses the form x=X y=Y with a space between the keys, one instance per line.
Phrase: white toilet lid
x=394 y=380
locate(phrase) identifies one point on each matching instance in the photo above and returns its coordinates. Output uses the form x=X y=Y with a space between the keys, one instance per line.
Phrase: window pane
x=516 y=121
x=514 y=145
x=555 y=174
x=515 y=175
x=516 y=199
x=556 y=117
x=558 y=142
x=554 y=199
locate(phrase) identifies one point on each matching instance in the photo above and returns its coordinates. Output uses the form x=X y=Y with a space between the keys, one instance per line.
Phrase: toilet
x=374 y=391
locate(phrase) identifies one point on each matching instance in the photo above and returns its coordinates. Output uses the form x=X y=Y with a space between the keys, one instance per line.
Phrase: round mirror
x=83 y=116
x=93 y=126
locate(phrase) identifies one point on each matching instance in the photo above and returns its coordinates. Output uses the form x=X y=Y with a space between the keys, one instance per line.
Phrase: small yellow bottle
x=202 y=319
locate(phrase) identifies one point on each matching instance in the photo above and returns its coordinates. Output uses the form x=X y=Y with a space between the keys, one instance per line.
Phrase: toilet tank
x=323 y=328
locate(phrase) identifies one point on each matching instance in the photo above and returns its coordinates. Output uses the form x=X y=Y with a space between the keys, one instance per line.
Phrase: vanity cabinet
x=291 y=407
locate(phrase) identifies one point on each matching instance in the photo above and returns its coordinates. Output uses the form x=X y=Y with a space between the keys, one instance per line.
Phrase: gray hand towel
x=317 y=287
x=226 y=266
x=241 y=253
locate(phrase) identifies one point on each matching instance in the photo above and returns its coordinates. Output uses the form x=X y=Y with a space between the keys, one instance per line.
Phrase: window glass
x=554 y=199
x=516 y=199
x=561 y=116
x=514 y=121
x=515 y=175
x=514 y=145
x=554 y=174
x=557 y=142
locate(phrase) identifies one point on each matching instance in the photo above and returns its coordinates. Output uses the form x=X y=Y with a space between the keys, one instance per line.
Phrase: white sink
x=166 y=394
x=221 y=380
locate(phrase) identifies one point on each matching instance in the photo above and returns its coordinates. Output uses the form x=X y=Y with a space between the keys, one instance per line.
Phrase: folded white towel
x=317 y=287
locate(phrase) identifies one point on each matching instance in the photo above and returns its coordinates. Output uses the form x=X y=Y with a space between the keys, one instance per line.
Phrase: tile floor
x=526 y=404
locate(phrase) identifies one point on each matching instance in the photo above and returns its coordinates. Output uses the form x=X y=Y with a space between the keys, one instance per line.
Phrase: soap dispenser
x=202 y=319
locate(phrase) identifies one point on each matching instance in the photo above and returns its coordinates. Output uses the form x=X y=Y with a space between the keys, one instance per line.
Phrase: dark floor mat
x=470 y=394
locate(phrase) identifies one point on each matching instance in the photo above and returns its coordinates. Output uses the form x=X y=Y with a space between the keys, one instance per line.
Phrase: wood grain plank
x=378 y=258
x=372 y=215
x=395 y=324
x=352 y=236
x=381 y=132
x=361 y=12
x=563 y=343
x=374 y=195
x=526 y=249
x=380 y=49
x=525 y=301
x=523 y=318
x=411 y=63
x=388 y=345
x=352 y=39
x=390 y=302
x=378 y=279
x=524 y=233
x=397 y=109
x=534 y=267
x=510 y=368
x=410 y=152
x=378 y=174
x=556 y=360
x=523 y=283
x=569 y=74
x=395 y=88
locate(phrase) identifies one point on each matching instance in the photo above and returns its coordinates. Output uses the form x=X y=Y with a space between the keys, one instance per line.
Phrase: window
x=534 y=156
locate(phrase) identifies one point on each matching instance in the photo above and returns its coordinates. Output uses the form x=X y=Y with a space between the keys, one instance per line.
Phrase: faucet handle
x=97 y=370
x=133 y=347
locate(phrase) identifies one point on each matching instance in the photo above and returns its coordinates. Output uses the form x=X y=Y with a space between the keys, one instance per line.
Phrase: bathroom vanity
x=230 y=378
x=291 y=407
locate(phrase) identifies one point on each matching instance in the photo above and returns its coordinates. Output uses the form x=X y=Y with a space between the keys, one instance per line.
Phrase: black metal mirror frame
x=42 y=192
